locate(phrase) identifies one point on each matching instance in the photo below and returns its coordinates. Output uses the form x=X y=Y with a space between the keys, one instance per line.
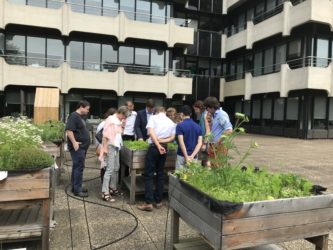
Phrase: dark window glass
x=280 y=56
x=54 y=4
x=238 y=107
x=216 y=68
x=257 y=64
x=247 y=108
x=267 y=109
x=250 y=14
x=295 y=49
x=128 y=7
x=319 y=113
x=126 y=55
x=92 y=56
x=77 y=5
x=216 y=45
x=248 y=63
x=204 y=43
x=203 y=67
x=15 y=49
x=322 y=53
x=256 y=109
x=158 y=12
x=232 y=70
x=157 y=61
x=143 y=10
x=214 y=87
x=110 y=7
x=217 y=6
x=109 y=58
x=292 y=112
x=202 y=87
x=55 y=52
x=240 y=68
x=330 y=115
x=2 y=43
x=269 y=56
x=38 y=3
x=260 y=8
x=206 y=5
x=142 y=58
x=270 y=5
x=241 y=22
x=94 y=7
x=278 y=110
x=36 y=51
x=76 y=54
x=193 y=49
x=204 y=23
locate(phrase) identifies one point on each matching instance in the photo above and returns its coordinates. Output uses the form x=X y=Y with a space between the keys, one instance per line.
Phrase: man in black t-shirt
x=78 y=140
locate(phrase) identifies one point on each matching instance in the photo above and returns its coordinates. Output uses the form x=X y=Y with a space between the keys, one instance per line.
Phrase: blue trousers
x=78 y=158
x=154 y=163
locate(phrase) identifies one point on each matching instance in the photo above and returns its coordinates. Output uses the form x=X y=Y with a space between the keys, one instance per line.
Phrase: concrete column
x=249 y=34
x=64 y=85
x=286 y=29
x=284 y=80
x=122 y=27
x=66 y=12
x=223 y=46
x=2 y=13
x=222 y=84
x=248 y=86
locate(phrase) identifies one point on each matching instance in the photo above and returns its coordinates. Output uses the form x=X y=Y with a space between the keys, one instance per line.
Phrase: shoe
x=115 y=192
x=158 y=205
x=84 y=190
x=107 y=197
x=81 y=194
x=145 y=207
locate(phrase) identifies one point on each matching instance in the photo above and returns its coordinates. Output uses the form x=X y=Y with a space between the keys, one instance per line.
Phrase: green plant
x=52 y=130
x=143 y=145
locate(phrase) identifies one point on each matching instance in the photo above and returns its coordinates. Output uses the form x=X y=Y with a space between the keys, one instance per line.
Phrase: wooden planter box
x=135 y=161
x=256 y=223
x=25 y=207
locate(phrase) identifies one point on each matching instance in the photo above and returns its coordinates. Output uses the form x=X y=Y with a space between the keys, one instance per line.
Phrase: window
x=2 y=44
x=54 y=53
x=158 y=12
x=267 y=111
x=247 y=108
x=157 y=61
x=92 y=56
x=110 y=7
x=76 y=54
x=142 y=58
x=93 y=7
x=217 y=6
x=278 y=109
x=238 y=106
x=15 y=49
x=269 y=57
x=256 y=109
x=77 y=5
x=54 y=4
x=216 y=45
x=193 y=4
x=319 y=113
x=126 y=55
x=36 y=51
x=280 y=56
x=292 y=112
x=206 y=5
x=270 y=5
x=38 y=3
x=143 y=10
x=240 y=68
x=295 y=49
x=17 y=1
x=128 y=7
x=109 y=58
x=321 y=59
x=257 y=64
x=204 y=43
x=249 y=14
x=330 y=114
x=216 y=68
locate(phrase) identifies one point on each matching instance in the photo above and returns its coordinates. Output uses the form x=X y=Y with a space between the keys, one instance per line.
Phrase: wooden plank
x=264 y=237
x=250 y=224
x=27 y=195
x=39 y=174
x=321 y=242
x=192 y=244
x=11 y=184
x=174 y=227
x=193 y=220
x=260 y=208
x=35 y=215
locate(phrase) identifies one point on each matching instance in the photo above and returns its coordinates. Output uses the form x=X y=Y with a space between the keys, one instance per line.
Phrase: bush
x=52 y=131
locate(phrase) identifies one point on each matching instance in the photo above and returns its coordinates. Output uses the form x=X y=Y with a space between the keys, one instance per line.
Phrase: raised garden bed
x=252 y=223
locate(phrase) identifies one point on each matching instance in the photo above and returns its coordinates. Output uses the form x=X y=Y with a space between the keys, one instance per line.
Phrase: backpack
x=99 y=136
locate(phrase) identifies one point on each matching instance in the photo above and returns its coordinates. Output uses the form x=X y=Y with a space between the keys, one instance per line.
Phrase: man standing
x=161 y=131
x=130 y=121
x=189 y=138
x=78 y=140
x=142 y=119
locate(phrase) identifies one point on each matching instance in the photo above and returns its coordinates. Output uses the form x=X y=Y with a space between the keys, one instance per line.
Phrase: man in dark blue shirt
x=189 y=138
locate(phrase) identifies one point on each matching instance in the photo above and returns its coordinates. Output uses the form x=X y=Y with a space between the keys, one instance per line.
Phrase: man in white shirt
x=130 y=121
x=161 y=130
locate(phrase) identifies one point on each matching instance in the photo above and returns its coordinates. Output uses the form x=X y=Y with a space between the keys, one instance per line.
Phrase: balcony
x=65 y=78
x=120 y=26
x=230 y=3
x=290 y=17
x=308 y=77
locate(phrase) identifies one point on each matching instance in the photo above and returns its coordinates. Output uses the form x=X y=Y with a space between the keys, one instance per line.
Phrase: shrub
x=52 y=131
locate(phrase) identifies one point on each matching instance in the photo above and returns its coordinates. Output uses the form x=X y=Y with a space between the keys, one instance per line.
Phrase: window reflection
x=110 y=7
x=55 y=52
x=76 y=54
x=93 y=7
x=92 y=58
x=36 y=51
x=15 y=49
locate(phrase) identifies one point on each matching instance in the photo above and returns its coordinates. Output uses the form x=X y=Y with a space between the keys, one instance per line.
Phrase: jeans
x=78 y=158
x=111 y=174
x=154 y=163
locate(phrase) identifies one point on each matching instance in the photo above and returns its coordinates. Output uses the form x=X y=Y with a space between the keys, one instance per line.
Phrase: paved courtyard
x=88 y=225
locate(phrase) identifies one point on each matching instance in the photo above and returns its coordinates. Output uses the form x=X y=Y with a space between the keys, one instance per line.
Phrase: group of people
x=158 y=126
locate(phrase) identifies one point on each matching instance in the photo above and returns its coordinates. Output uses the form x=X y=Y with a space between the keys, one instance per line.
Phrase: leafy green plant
x=143 y=145
x=52 y=130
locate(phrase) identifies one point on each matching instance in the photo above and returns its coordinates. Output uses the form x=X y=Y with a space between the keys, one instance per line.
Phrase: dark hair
x=150 y=103
x=83 y=104
x=199 y=104
x=186 y=110
x=109 y=112
x=212 y=102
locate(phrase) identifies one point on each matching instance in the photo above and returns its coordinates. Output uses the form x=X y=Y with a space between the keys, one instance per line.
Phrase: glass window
x=202 y=87
x=279 y=109
x=158 y=12
x=94 y=7
x=126 y=55
x=193 y=4
x=322 y=53
x=216 y=68
x=143 y=10
x=76 y=5
x=76 y=54
x=216 y=45
x=2 y=44
x=238 y=106
x=292 y=108
x=204 y=23
x=260 y=8
x=249 y=14
x=217 y=6
x=204 y=43
x=267 y=109
x=15 y=49
x=248 y=64
x=109 y=57
x=127 y=6
x=55 y=52
x=319 y=113
x=295 y=49
x=247 y=108
x=36 y=51
x=269 y=56
x=270 y=5
x=54 y=4
x=17 y=1
x=232 y=70
x=241 y=22
x=256 y=109
x=330 y=115
x=206 y=5
x=92 y=56
x=157 y=61
x=141 y=56
x=240 y=68
x=257 y=63
x=280 y=56
x=110 y=7
x=38 y=3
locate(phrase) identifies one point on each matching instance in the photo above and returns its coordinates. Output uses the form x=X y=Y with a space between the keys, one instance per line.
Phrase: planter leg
x=174 y=228
x=46 y=224
x=133 y=186
x=321 y=242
